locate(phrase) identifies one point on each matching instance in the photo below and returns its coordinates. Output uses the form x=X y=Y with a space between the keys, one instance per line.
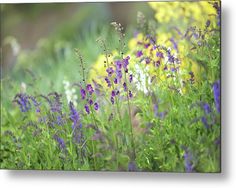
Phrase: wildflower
x=188 y=161
x=118 y=74
x=157 y=63
x=204 y=121
x=110 y=71
x=126 y=62
x=117 y=92
x=156 y=110
x=60 y=142
x=130 y=94
x=132 y=166
x=55 y=104
x=174 y=44
x=90 y=102
x=115 y=81
x=96 y=106
x=147 y=60
x=90 y=89
x=159 y=54
x=139 y=53
x=112 y=100
x=216 y=91
x=125 y=86
x=108 y=82
x=74 y=115
x=23 y=101
x=87 y=109
x=207 y=108
x=118 y=64
x=36 y=103
x=83 y=93
x=113 y=93
x=130 y=78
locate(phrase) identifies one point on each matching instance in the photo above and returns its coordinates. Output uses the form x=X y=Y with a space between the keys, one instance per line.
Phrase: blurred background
x=46 y=33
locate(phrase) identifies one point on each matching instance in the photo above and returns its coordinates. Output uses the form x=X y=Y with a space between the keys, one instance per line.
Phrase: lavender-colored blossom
x=113 y=93
x=90 y=89
x=125 y=86
x=165 y=68
x=147 y=60
x=216 y=91
x=36 y=103
x=74 y=115
x=171 y=58
x=188 y=161
x=118 y=64
x=204 y=121
x=108 y=82
x=118 y=74
x=157 y=63
x=59 y=120
x=175 y=45
x=23 y=101
x=160 y=54
x=86 y=107
x=117 y=92
x=126 y=62
x=90 y=102
x=56 y=104
x=110 y=71
x=206 y=108
x=130 y=78
x=115 y=81
x=112 y=100
x=139 y=53
x=96 y=106
x=146 y=45
x=155 y=110
x=83 y=93
x=132 y=166
x=130 y=94
x=60 y=142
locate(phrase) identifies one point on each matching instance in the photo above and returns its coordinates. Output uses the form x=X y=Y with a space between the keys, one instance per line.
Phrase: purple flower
x=156 y=110
x=174 y=44
x=146 y=45
x=112 y=100
x=56 y=104
x=165 y=68
x=206 y=108
x=126 y=62
x=125 y=86
x=87 y=109
x=118 y=64
x=171 y=58
x=132 y=166
x=117 y=92
x=139 y=53
x=115 y=81
x=113 y=93
x=216 y=91
x=60 y=142
x=90 y=89
x=147 y=60
x=110 y=71
x=130 y=94
x=36 y=104
x=159 y=54
x=90 y=102
x=108 y=82
x=23 y=101
x=204 y=121
x=130 y=78
x=74 y=115
x=188 y=161
x=157 y=63
x=96 y=106
x=83 y=93
x=118 y=74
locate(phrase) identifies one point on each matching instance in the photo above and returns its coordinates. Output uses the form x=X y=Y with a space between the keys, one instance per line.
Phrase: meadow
x=139 y=98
